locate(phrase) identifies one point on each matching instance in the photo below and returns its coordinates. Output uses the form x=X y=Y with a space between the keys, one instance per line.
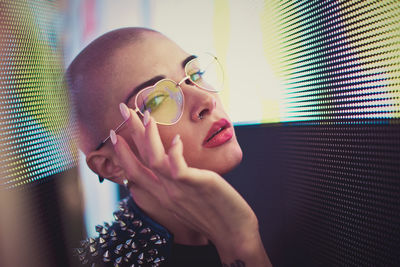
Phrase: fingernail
x=124 y=111
x=175 y=140
x=113 y=137
x=146 y=118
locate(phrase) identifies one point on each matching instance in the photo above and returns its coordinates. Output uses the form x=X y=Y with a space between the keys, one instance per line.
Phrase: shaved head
x=118 y=64
x=92 y=80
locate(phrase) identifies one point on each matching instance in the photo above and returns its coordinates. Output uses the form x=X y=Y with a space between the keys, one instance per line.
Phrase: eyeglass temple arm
x=117 y=129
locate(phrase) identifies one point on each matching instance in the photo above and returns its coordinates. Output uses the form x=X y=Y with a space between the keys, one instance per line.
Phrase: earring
x=126 y=182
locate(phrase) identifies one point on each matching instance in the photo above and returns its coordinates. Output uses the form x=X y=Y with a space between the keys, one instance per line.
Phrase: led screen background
x=313 y=87
x=36 y=136
x=40 y=202
x=339 y=60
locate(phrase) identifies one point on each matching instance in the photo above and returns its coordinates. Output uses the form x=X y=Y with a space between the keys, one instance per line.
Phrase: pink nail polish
x=113 y=137
x=146 y=118
x=176 y=138
x=124 y=111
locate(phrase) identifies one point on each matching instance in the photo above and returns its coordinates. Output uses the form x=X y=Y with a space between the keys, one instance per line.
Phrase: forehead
x=137 y=62
x=132 y=65
x=149 y=56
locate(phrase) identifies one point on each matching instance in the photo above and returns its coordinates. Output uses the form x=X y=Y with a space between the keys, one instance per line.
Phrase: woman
x=174 y=142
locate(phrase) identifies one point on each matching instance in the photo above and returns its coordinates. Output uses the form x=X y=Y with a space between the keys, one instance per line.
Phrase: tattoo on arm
x=237 y=263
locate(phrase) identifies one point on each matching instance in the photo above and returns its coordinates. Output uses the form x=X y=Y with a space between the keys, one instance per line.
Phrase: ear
x=105 y=165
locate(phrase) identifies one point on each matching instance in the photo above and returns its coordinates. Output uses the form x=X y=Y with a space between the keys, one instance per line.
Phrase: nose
x=203 y=104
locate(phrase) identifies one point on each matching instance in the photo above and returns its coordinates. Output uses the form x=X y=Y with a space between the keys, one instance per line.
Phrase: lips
x=220 y=132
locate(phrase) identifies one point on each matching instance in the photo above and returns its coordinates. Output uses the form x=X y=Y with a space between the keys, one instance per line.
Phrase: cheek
x=167 y=134
x=190 y=146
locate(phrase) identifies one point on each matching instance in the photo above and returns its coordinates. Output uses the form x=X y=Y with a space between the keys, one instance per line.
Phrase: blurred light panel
x=338 y=60
x=36 y=135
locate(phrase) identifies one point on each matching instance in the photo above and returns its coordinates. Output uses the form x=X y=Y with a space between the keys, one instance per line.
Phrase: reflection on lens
x=206 y=72
x=164 y=101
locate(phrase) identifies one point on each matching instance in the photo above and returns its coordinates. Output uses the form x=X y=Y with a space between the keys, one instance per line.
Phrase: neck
x=183 y=234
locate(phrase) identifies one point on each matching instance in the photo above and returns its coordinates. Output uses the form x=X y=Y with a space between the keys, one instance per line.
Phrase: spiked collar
x=133 y=239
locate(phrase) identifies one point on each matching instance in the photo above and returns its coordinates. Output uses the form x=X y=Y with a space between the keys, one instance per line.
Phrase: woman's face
x=203 y=113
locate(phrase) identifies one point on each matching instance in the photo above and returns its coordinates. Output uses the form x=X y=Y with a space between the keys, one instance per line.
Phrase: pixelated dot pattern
x=36 y=135
x=338 y=59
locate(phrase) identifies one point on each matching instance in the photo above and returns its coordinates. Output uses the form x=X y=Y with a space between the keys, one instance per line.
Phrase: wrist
x=239 y=241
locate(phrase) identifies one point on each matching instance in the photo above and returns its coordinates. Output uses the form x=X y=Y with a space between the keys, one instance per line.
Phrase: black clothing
x=134 y=239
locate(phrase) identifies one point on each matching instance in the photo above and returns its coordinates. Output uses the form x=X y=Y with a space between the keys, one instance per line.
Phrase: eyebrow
x=186 y=61
x=154 y=80
x=145 y=84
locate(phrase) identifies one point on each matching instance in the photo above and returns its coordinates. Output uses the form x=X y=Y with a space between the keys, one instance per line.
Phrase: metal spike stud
x=134 y=246
x=157 y=260
x=137 y=223
x=118 y=249
x=118 y=260
x=153 y=251
x=113 y=234
x=84 y=243
x=141 y=256
x=99 y=228
x=92 y=241
x=82 y=257
x=129 y=255
x=104 y=231
x=154 y=237
x=92 y=249
x=79 y=250
x=106 y=254
x=131 y=233
x=128 y=242
x=143 y=243
x=145 y=230
x=122 y=225
x=158 y=242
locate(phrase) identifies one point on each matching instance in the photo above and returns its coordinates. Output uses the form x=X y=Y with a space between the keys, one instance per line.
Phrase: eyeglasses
x=165 y=100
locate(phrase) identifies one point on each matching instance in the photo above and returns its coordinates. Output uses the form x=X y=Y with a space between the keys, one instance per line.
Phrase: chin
x=221 y=159
x=226 y=161
x=231 y=161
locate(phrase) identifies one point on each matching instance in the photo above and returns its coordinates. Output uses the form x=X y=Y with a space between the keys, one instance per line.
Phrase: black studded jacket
x=134 y=239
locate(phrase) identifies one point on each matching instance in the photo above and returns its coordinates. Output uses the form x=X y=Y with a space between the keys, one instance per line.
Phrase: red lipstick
x=220 y=132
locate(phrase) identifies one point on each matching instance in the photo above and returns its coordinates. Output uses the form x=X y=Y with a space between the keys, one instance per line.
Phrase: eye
x=153 y=102
x=196 y=76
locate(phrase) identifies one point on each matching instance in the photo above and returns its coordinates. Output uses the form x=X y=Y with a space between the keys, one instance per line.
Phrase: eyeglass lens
x=164 y=100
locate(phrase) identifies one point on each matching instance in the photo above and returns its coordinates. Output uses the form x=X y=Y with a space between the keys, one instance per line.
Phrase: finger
x=137 y=173
x=154 y=148
x=175 y=156
x=134 y=126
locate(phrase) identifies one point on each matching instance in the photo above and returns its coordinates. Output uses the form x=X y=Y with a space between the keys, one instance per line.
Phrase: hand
x=201 y=199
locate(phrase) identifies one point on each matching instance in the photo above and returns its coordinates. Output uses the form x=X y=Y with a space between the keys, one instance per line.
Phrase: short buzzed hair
x=85 y=77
